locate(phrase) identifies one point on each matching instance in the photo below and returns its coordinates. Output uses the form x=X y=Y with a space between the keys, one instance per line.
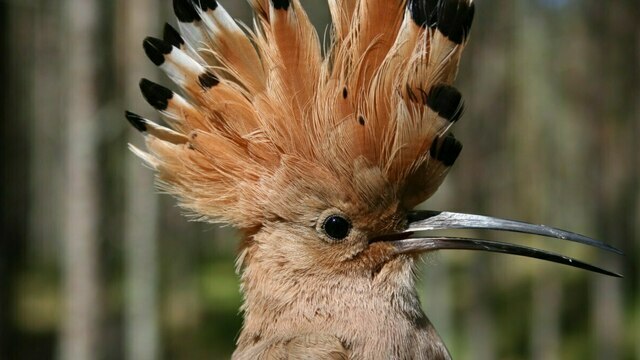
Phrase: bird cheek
x=376 y=255
x=355 y=245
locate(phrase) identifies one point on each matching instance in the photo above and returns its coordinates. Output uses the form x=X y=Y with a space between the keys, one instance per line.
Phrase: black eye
x=336 y=227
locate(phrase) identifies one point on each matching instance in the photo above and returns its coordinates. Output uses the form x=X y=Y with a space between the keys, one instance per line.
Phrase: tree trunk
x=46 y=180
x=141 y=215
x=80 y=327
x=14 y=152
x=636 y=230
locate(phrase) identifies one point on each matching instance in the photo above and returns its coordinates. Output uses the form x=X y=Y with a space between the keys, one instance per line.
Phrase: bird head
x=319 y=159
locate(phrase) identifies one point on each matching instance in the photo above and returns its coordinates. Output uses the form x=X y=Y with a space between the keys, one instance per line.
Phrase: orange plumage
x=264 y=110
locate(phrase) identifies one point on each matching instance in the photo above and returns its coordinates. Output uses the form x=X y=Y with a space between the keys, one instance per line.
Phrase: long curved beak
x=419 y=221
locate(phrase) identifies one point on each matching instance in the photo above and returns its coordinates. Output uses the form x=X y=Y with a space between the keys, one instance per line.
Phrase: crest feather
x=265 y=119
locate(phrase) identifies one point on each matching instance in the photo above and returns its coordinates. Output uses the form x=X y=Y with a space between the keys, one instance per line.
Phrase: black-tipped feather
x=137 y=121
x=452 y=17
x=208 y=80
x=185 y=11
x=446 y=149
x=281 y=4
x=156 y=95
x=156 y=49
x=424 y=12
x=172 y=36
x=207 y=4
x=449 y=150
x=455 y=19
x=446 y=101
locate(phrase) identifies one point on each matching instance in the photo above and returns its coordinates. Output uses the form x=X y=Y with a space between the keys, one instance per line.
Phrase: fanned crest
x=262 y=116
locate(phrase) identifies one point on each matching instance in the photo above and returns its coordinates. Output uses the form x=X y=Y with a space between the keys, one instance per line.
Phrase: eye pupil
x=337 y=227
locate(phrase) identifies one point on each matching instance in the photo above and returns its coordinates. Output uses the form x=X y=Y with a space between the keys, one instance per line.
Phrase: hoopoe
x=319 y=161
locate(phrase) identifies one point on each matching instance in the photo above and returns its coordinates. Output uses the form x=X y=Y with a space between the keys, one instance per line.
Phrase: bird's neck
x=366 y=312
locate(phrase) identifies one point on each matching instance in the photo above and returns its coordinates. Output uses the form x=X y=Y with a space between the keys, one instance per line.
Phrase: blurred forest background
x=95 y=265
